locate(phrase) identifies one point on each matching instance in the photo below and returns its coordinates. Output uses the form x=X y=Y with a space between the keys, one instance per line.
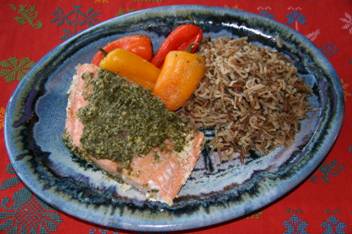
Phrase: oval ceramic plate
x=215 y=192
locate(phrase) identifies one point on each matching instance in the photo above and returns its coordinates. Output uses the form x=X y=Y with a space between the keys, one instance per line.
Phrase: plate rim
x=306 y=170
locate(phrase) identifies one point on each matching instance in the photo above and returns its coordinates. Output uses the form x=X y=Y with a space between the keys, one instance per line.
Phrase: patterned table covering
x=322 y=204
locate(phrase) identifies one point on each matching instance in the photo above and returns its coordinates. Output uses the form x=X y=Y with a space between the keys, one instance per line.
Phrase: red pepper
x=184 y=37
x=138 y=44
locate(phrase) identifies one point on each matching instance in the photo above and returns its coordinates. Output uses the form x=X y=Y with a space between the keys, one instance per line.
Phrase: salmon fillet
x=159 y=178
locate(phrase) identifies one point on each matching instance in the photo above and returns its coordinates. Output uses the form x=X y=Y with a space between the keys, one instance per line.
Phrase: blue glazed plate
x=215 y=192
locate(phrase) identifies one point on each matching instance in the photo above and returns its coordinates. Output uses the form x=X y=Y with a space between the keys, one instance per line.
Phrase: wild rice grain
x=250 y=95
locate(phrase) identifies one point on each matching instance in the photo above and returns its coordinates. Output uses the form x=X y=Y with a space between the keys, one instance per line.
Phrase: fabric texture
x=321 y=204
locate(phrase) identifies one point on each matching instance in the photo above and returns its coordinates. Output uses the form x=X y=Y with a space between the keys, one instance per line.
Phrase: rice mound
x=250 y=95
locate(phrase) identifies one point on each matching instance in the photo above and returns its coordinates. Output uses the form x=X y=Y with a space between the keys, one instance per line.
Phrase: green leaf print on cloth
x=14 y=68
x=27 y=14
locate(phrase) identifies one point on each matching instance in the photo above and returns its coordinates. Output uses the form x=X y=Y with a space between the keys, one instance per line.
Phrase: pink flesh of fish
x=164 y=176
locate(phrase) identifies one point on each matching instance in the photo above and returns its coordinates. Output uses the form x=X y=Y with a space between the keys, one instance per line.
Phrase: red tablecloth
x=322 y=204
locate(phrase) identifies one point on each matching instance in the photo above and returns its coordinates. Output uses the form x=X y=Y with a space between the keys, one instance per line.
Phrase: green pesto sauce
x=123 y=120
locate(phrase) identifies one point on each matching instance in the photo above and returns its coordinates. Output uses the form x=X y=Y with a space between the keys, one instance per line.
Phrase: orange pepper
x=132 y=67
x=179 y=77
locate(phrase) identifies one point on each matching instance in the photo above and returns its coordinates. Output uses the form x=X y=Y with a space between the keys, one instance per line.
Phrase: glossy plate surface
x=215 y=192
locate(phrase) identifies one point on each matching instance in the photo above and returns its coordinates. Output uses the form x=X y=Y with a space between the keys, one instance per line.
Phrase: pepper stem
x=103 y=51
x=190 y=48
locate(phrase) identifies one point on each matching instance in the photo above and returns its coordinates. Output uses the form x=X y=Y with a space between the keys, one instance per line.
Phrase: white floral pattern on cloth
x=313 y=35
x=347 y=22
x=346 y=92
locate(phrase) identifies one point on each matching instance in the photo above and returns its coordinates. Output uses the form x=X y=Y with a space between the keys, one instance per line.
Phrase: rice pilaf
x=251 y=96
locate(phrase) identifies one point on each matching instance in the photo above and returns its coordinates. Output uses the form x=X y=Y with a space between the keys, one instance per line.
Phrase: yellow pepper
x=179 y=77
x=132 y=67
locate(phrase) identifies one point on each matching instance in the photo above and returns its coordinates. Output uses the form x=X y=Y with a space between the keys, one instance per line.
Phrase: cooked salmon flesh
x=159 y=178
